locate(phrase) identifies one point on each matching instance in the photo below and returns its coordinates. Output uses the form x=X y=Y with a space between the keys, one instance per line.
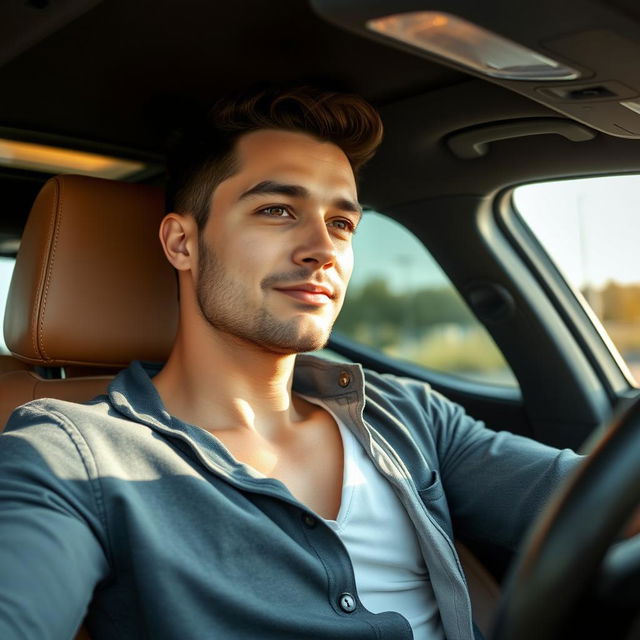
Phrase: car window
x=400 y=302
x=591 y=230
x=6 y=269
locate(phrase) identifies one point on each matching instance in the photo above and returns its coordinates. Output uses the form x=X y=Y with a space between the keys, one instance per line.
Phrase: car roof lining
x=173 y=59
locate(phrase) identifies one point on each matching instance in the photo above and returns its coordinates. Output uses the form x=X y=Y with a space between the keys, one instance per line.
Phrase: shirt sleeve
x=496 y=483
x=52 y=540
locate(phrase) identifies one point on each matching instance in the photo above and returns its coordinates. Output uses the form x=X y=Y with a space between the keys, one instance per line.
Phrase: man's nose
x=315 y=246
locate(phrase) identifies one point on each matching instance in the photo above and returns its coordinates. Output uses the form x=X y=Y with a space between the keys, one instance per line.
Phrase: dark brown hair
x=205 y=156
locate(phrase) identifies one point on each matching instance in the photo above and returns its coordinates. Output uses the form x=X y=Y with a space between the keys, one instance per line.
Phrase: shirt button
x=347 y=602
x=344 y=379
x=309 y=520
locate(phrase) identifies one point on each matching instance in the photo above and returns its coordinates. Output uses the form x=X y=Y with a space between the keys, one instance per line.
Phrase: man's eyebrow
x=348 y=205
x=270 y=187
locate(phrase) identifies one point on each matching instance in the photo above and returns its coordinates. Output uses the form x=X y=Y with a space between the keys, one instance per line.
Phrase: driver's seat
x=92 y=291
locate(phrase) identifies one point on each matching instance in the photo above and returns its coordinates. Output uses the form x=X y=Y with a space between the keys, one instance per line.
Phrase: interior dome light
x=472 y=46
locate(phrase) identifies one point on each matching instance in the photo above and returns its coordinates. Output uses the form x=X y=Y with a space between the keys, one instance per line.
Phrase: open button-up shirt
x=148 y=527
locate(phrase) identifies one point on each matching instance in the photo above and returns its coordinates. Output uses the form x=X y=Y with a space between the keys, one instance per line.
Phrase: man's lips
x=308 y=293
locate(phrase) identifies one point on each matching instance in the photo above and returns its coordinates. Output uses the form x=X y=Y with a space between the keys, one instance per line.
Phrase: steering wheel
x=569 y=541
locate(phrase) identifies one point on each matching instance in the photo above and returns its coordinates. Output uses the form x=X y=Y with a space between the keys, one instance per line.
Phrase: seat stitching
x=50 y=261
x=38 y=301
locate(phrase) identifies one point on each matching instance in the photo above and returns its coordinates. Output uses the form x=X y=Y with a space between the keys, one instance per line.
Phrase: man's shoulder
x=412 y=400
x=398 y=386
x=50 y=435
x=53 y=412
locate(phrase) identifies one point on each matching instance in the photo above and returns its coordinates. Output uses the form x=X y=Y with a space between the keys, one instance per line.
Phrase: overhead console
x=577 y=57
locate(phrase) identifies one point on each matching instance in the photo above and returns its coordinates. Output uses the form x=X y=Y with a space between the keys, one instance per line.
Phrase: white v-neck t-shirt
x=379 y=536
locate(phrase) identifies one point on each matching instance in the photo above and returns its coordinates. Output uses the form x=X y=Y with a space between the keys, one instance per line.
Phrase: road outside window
x=400 y=302
x=591 y=229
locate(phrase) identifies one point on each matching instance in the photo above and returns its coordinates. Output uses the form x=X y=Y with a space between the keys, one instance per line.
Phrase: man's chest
x=308 y=460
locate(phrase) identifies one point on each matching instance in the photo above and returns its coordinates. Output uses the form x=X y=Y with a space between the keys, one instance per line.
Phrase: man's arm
x=52 y=547
x=496 y=483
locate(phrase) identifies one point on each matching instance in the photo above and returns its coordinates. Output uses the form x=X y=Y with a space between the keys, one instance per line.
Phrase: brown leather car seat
x=9 y=363
x=92 y=290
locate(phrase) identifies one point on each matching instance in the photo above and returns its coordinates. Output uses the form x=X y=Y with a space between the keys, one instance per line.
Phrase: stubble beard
x=225 y=308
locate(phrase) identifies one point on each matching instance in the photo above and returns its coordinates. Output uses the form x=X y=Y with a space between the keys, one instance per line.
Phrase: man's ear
x=178 y=236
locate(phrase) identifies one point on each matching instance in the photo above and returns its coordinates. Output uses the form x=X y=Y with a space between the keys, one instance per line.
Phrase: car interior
x=94 y=92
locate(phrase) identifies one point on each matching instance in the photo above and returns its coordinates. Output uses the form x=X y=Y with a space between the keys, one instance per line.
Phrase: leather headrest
x=91 y=285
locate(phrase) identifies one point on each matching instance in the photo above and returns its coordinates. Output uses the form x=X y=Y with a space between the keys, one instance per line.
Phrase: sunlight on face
x=275 y=256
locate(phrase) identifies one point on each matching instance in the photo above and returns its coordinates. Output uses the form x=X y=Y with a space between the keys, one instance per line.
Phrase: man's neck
x=222 y=382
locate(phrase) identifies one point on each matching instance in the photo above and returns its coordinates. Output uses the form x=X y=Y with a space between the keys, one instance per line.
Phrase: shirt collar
x=133 y=394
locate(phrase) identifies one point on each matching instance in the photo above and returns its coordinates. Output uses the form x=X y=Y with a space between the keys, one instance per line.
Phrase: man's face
x=275 y=255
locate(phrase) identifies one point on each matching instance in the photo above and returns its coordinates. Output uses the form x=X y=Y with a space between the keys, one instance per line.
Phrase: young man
x=243 y=491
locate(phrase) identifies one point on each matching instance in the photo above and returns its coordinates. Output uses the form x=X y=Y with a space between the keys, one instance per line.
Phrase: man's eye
x=343 y=225
x=275 y=212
